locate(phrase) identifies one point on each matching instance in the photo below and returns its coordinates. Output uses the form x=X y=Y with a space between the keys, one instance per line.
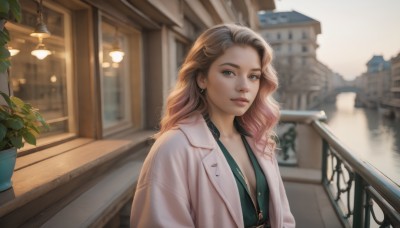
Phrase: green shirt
x=253 y=215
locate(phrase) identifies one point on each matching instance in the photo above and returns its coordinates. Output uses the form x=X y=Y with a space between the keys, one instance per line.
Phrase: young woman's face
x=232 y=82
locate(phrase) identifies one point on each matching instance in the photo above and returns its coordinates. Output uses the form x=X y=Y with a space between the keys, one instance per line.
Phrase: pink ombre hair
x=186 y=99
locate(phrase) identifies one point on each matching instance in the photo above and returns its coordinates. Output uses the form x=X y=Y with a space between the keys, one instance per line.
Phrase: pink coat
x=187 y=182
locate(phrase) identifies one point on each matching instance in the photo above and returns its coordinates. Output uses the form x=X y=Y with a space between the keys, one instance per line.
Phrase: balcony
x=311 y=159
x=320 y=174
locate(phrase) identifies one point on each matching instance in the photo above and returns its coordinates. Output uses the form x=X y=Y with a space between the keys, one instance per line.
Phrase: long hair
x=186 y=98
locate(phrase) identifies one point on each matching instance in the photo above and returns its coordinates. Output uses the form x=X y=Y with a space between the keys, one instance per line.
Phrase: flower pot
x=7 y=164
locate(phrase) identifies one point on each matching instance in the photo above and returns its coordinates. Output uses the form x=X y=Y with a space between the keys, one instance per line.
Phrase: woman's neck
x=225 y=126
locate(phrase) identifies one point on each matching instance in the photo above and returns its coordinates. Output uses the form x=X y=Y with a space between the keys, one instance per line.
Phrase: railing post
x=368 y=206
x=359 y=201
x=324 y=167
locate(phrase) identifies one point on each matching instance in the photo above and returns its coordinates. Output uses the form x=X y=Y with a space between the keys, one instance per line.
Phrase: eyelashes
x=231 y=74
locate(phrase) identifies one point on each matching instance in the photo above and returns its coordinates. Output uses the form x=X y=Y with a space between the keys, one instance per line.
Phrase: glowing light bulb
x=41 y=52
x=117 y=56
x=13 y=51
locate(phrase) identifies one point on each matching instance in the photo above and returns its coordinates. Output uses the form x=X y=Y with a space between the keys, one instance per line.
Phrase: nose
x=243 y=84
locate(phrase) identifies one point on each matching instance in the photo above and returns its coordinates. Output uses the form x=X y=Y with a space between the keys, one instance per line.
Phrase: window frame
x=45 y=142
x=134 y=56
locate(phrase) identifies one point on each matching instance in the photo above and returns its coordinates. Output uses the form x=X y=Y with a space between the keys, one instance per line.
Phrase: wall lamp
x=40 y=32
x=116 y=53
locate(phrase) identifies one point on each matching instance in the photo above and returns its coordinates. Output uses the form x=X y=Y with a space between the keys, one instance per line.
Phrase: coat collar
x=197 y=132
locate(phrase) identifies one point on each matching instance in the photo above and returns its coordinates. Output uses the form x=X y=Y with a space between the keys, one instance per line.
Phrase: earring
x=201 y=91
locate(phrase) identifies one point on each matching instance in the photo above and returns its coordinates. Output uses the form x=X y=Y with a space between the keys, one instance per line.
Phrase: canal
x=372 y=137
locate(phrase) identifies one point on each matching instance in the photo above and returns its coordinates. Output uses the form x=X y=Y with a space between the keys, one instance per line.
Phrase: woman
x=213 y=164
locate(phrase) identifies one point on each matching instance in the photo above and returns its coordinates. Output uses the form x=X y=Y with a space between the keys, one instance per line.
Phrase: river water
x=372 y=137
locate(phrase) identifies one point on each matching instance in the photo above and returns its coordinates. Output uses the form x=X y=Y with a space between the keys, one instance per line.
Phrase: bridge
x=345 y=89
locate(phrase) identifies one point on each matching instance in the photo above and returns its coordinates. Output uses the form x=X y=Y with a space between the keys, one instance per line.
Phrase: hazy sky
x=352 y=30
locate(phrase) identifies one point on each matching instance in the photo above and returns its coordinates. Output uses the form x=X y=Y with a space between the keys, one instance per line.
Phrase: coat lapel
x=215 y=165
x=222 y=179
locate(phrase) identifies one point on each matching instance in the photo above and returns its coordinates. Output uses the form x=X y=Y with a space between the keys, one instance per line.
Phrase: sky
x=352 y=31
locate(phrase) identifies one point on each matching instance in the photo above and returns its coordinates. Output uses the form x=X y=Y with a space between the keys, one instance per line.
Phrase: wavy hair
x=186 y=98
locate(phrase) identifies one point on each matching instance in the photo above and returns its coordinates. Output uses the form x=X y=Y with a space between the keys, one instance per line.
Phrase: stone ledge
x=98 y=204
x=302 y=175
x=35 y=181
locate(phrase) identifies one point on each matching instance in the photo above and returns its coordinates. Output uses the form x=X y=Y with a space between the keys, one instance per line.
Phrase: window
x=276 y=47
x=278 y=36
x=304 y=35
x=272 y=20
x=304 y=49
x=116 y=95
x=44 y=83
x=290 y=36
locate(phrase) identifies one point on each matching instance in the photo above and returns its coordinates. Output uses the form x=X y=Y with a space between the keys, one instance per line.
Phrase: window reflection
x=42 y=83
x=115 y=78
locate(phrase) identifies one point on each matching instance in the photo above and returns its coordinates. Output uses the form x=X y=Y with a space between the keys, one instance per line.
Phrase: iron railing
x=353 y=186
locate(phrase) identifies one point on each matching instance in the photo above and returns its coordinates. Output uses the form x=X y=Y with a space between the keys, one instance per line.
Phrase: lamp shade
x=13 y=51
x=41 y=31
x=117 y=55
x=41 y=52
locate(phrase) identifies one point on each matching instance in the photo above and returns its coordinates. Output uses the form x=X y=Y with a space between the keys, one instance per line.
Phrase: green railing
x=353 y=186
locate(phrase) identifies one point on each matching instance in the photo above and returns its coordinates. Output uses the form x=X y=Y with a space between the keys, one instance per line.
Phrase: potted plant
x=19 y=122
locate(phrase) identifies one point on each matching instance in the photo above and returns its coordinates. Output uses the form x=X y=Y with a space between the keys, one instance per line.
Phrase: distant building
x=394 y=101
x=377 y=80
x=293 y=36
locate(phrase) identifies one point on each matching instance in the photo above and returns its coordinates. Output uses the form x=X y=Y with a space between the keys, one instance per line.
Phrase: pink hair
x=186 y=99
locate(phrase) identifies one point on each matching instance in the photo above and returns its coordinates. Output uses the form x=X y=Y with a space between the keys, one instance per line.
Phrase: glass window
x=44 y=83
x=115 y=77
x=304 y=35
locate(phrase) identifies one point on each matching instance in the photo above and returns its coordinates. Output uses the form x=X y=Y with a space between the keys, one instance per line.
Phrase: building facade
x=393 y=102
x=101 y=107
x=375 y=82
x=293 y=36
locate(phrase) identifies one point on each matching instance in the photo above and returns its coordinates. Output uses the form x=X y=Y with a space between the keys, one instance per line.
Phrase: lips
x=241 y=102
x=240 y=99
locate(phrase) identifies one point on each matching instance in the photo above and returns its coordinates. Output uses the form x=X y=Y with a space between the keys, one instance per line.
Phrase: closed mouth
x=240 y=99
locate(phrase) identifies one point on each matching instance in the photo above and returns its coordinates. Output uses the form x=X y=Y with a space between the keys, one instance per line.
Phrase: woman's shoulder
x=173 y=138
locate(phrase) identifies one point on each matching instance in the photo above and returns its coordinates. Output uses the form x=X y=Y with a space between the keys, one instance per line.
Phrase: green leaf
x=5 y=7
x=4 y=59
x=4 y=53
x=3 y=131
x=4 y=37
x=4 y=65
x=29 y=138
x=17 y=141
x=15 y=9
x=3 y=114
x=34 y=130
x=18 y=102
x=7 y=99
x=15 y=124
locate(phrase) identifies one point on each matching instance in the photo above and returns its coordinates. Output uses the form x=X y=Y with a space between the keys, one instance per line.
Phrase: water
x=372 y=137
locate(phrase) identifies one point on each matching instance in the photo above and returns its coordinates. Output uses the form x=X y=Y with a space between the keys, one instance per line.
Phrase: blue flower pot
x=7 y=164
